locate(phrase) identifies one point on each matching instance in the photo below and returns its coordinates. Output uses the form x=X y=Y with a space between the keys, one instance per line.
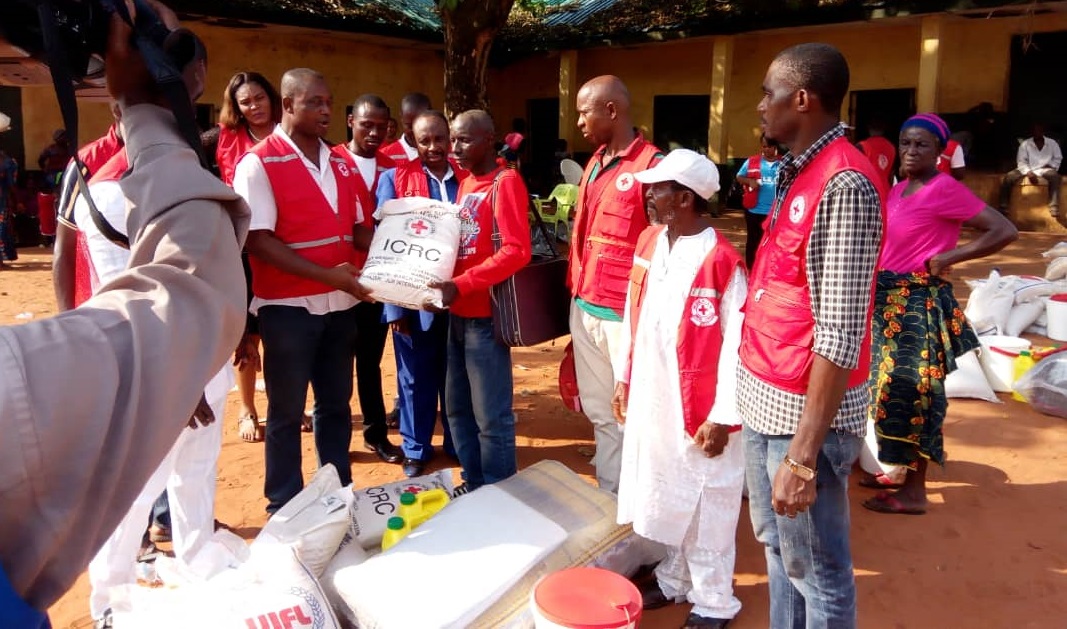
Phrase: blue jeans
x=809 y=561
x=479 y=393
x=301 y=348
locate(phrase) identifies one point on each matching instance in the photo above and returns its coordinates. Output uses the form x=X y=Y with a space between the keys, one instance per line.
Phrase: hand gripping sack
x=532 y=306
x=415 y=244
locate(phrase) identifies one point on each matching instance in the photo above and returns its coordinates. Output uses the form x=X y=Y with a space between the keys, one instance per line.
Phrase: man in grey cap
x=682 y=463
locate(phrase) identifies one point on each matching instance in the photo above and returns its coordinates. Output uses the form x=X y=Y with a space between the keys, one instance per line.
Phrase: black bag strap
x=549 y=238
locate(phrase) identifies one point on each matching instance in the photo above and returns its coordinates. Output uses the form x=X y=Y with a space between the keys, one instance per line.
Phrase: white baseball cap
x=686 y=167
x=5 y=122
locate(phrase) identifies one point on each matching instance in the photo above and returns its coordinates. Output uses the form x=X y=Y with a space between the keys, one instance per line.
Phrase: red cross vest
x=882 y=154
x=306 y=222
x=366 y=197
x=85 y=277
x=779 y=329
x=232 y=146
x=396 y=152
x=700 y=330
x=411 y=180
x=944 y=162
x=609 y=217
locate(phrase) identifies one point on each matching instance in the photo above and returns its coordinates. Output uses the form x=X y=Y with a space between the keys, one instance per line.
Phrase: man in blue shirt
x=764 y=187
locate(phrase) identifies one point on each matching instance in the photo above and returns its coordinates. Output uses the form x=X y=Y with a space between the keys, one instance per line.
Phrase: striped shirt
x=842 y=253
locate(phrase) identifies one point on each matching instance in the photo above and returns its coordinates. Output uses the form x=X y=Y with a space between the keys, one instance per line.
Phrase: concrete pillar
x=568 y=92
x=722 y=65
x=929 y=64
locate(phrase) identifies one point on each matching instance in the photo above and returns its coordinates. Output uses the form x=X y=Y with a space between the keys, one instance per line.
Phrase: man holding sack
x=494 y=245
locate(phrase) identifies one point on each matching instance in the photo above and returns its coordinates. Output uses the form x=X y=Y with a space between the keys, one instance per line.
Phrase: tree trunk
x=469 y=31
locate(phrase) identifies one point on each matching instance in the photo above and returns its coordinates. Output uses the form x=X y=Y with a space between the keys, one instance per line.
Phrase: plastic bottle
x=1023 y=362
x=396 y=529
x=417 y=508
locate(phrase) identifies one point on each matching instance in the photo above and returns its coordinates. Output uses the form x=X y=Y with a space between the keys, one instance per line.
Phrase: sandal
x=879 y=481
x=885 y=502
x=249 y=429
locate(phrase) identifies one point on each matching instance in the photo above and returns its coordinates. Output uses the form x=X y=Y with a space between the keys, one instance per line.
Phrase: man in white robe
x=682 y=476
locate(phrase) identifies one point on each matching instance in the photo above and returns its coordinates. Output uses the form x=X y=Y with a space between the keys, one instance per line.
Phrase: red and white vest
x=396 y=152
x=779 y=329
x=700 y=331
x=366 y=197
x=609 y=217
x=306 y=222
x=944 y=162
x=232 y=146
x=410 y=179
x=750 y=195
x=86 y=279
x=883 y=155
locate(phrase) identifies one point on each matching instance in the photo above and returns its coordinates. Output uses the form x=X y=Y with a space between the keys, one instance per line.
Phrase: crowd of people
x=701 y=371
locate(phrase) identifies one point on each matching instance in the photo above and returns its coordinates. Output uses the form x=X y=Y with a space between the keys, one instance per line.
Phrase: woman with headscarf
x=251 y=108
x=918 y=329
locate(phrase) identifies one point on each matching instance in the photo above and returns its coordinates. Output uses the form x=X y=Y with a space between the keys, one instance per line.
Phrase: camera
x=80 y=25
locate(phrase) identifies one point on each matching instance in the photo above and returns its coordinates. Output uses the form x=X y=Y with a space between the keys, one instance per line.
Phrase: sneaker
x=461 y=490
x=104 y=622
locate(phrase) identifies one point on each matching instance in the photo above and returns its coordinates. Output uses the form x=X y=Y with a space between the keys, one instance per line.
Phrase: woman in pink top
x=917 y=328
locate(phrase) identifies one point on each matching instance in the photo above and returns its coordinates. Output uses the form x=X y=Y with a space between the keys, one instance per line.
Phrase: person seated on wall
x=1038 y=158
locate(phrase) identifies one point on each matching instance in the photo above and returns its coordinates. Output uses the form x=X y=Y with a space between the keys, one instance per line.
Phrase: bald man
x=609 y=217
x=478 y=386
x=305 y=210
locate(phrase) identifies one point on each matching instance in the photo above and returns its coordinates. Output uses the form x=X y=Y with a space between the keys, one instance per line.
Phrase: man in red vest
x=479 y=387
x=368 y=120
x=403 y=150
x=609 y=216
x=805 y=344
x=682 y=463
x=305 y=212
x=881 y=151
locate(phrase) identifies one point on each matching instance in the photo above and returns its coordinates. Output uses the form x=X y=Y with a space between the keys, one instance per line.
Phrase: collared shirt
x=413 y=152
x=250 y=180
x=841 y=256
x=443 y=189
x=1030 y=158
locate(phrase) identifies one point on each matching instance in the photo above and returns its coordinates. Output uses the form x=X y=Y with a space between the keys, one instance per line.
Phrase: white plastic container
x=1056 y=309
x=998 y=359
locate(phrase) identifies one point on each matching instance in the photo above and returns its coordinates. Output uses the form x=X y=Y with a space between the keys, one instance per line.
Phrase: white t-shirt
x=413 y=152
x=250 y=180
x=958 y=159
x=368 y=167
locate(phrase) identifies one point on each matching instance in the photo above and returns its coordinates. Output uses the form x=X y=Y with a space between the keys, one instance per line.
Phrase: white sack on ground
x=313 y=523
x=989 y=304
x=415 y=244
x=968 y=380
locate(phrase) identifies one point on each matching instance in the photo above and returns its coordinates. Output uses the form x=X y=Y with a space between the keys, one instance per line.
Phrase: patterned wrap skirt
x=917 y=331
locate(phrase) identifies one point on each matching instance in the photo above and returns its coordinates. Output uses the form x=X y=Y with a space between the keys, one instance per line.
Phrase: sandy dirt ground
x=990 y=552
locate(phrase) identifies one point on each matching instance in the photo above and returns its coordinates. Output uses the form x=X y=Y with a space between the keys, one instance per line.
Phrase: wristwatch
x=801 y=471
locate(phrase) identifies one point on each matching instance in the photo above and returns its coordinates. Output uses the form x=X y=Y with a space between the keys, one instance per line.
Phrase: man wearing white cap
x=682 y=462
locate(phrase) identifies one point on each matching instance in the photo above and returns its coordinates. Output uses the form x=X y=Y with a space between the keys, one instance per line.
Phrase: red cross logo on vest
x=419 y=227
x=796 y=210
x=702 y=313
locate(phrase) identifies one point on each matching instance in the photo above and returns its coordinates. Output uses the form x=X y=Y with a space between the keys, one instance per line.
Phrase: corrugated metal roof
x=422 y=13
x=573 y=12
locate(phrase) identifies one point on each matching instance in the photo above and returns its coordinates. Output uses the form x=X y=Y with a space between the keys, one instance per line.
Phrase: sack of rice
x=415 y=244
x=373 y=506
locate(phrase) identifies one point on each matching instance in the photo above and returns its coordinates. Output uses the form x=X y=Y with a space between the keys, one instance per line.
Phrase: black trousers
x=368 y=348
x=754 y=227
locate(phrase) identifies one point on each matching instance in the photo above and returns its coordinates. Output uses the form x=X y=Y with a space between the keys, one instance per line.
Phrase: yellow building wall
x=976 y=58
x=880 y=56
x=352 y=66
x=509 y=88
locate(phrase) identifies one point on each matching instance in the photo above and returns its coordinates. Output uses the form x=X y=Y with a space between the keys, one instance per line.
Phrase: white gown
x=669 y=490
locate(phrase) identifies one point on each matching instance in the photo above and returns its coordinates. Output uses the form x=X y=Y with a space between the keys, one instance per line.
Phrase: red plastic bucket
x=585 y=598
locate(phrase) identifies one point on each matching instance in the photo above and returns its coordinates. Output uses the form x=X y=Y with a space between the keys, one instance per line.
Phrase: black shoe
x=386 y=451
x=461 y=490
x=392 y=420
x=703 y=622
x=652 y=597
x=413 y=467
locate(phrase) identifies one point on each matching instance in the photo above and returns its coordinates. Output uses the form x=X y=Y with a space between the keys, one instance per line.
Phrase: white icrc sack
x=313 y=523
x=373 y=506
x=273 y=590
x=1057 y=269
x=1059 y=251
x=968 y=380
x=1030 y=288
x=415 y=244
x=1023 y=315
x=990 y=302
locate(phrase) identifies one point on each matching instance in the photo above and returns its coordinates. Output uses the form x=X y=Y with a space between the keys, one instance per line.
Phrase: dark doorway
x=1035 y=89
x=890 y=108
x=11 y=140
x=541 y=168
x=681 y=122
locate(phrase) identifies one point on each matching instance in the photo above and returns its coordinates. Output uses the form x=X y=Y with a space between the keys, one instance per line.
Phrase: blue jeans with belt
x=479 y=391
x=300 y=348
x=809 y=559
